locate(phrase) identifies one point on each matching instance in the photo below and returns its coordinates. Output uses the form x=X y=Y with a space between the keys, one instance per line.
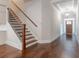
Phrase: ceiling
x=66 y=5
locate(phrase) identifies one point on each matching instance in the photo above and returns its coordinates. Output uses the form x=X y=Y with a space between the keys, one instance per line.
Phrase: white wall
x=77 y=21
x=7 y=35
x=3 y=20
x=50 y=22
x=3 y=37
x=33 y=8
x=2 y=14
x=4 y=2
x=12 y=38
x=43 y=14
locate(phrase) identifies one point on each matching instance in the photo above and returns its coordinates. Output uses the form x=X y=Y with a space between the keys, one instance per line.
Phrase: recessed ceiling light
x=67 y=14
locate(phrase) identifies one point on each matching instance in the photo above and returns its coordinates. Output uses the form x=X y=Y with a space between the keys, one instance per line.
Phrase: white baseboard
x=49 y=41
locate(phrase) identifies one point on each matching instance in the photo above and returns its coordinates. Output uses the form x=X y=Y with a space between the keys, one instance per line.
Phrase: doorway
x=69 y=27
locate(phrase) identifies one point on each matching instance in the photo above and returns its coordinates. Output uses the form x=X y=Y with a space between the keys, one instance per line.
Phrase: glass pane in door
x=69 y=22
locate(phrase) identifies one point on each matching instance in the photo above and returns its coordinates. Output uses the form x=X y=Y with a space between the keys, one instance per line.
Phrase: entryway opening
x=68 y=23
x=69 y=27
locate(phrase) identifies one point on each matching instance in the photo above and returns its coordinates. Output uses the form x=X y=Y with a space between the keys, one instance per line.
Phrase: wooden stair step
x=20 y=29
x=20 y=32
x=32 y=45
x=27 y=31
x=10 y=15
x=30 y=42
x=32 y=37
x=12 y=18
x=26 y=35
x=17 y=25
x=13 y=21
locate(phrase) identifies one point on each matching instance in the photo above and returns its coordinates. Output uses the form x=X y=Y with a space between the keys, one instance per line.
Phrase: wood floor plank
x=63 y=47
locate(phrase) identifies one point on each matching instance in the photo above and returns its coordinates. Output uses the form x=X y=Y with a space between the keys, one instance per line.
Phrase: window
x=68 y=22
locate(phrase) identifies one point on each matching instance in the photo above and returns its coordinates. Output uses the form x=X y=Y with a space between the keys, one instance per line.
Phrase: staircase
x=17 y=26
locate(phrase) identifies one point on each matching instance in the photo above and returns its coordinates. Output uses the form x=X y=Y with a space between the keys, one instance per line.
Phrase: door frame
x=73 y=26
x=69 y=25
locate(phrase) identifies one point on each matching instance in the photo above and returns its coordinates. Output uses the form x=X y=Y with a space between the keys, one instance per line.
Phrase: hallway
x=63 y=47
x=36 y=26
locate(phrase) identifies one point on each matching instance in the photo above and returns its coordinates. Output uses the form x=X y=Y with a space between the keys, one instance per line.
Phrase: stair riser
x=32 y=44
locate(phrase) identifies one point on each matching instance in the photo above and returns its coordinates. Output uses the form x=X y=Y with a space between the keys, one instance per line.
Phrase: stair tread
x=29 y=35
x=17 y=26
x=14 y=23
x=30 y=42
x=32 y=37
x=20 y=32
x=32 y=45
x=19 y=29
x=12 y=18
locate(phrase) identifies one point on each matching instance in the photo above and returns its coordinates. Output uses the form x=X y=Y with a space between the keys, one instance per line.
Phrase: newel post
x=24 y=37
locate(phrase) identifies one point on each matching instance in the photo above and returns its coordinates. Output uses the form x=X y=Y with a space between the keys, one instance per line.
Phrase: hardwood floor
x=7 y=51
x=63 y=47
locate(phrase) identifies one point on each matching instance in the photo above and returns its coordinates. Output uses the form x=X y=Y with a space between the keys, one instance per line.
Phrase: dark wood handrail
x=24 y=14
